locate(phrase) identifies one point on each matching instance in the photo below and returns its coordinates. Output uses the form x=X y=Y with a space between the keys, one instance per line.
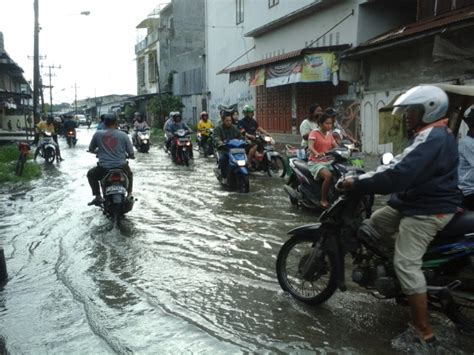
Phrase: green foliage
x=164 y=106
x=129 y=112
x=8 y=158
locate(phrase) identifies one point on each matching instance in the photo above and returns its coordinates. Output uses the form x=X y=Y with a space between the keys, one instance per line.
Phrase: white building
x=275 y=42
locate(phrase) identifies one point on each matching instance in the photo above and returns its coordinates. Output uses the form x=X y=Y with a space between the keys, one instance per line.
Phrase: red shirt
x=321 y=143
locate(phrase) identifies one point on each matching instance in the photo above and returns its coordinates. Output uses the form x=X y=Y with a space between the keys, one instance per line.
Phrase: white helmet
x=433 y=100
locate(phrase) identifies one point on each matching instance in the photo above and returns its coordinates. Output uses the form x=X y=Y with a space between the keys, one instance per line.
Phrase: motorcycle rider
x=113 y=149
x=249 y=128
x=168 y=134
x=319 y=142
x=466 y=162
x=423 y=182
x=311 y=123
x=224 y=132
x=69 y=125
x=204 y=125
x=139 y=124
x=101 y=124
x=171 y=129
x=339 y=132
x=47 y=126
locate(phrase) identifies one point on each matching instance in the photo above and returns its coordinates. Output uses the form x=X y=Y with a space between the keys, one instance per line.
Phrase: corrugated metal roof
x=282 y=57
x=452 y=17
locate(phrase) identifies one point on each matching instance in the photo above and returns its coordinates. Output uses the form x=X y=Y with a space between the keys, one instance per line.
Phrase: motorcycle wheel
x=461 y=308
x=301 y=253
x=276 y=167
x=49 y=155
x=144 y=148
x=243 y=183
x=184 y=157
x=69 y=142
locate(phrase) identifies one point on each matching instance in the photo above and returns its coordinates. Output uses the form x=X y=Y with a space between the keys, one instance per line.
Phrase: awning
x=303 y=65
x=417 y=30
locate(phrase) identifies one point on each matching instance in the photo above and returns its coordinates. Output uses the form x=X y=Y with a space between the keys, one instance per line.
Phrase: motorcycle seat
x=303 y=168
x=462 y=223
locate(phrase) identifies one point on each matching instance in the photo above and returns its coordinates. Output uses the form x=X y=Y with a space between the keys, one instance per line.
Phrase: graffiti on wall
x=349 y=117
x=245 y=98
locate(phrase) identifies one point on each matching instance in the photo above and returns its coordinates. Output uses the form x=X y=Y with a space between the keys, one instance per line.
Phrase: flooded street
x=191 y=269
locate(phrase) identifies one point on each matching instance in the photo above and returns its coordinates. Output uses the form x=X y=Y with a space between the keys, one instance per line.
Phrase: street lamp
x=36 y=67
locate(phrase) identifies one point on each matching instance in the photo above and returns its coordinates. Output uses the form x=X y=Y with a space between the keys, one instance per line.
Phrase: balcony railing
x=148 y=41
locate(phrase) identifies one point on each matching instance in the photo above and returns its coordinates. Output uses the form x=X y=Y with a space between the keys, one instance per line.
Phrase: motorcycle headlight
x=241 y=163
x=268 y=139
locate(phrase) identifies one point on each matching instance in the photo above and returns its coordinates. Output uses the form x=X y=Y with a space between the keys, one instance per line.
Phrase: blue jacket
x=423 y=178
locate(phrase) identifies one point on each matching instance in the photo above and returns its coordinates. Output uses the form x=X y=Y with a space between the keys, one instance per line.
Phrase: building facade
x=15 y=94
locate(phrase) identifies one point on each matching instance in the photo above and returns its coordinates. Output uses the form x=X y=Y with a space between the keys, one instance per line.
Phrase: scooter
x=181 y=147
x=47 y=148
x=237 y=173
x=304 y=190
x=205 y=144
x=142 y=140
x=71 y=138
x=267 y=159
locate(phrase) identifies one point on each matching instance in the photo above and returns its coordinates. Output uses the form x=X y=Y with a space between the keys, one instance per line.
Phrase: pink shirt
x=321 y=143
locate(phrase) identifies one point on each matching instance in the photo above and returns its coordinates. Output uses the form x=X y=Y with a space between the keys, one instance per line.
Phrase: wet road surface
x=191 y=269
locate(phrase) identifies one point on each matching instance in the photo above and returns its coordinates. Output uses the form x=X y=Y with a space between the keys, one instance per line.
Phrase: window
x=338 y=38
x=141 y=71
x=330 y=39
x=239 y=11
x=152 y=67
x=272 y=3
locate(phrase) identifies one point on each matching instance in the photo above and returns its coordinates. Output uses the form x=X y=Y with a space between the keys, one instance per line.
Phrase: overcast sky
x=97 y=52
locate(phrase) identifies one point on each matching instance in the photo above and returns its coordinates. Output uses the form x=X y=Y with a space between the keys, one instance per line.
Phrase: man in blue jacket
x=423 y=182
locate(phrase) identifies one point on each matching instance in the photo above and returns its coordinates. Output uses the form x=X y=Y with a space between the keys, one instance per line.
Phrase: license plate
x=115 y=189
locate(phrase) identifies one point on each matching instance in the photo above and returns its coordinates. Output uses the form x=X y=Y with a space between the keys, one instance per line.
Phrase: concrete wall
x=226 y=41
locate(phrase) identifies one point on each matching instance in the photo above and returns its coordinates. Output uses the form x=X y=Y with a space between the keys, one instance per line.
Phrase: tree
x=169 y=102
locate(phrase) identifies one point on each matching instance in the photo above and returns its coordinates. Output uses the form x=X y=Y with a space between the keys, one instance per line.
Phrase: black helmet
x=109 y=118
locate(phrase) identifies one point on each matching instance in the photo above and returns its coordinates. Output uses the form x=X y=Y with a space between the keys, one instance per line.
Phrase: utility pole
x=50 y=74
x=75 y=98
x=36 y=70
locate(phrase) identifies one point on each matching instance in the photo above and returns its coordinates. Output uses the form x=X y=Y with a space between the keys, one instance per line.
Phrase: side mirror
x=386 y=158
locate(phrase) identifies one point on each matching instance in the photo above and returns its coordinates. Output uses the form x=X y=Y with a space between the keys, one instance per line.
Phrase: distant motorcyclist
x=101 y=124
x=172 y=128
x=139 y=125
x=423 y=182
x=166 y=128
x=69 y=124
x=249 y=128
x=47 y=126
x=466 y=162
x=224 y=132
x=113 y=149
x=339 y=132
x=203 y=127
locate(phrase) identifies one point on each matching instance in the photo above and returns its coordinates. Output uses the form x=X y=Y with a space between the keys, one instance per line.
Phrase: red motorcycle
x=182 y=148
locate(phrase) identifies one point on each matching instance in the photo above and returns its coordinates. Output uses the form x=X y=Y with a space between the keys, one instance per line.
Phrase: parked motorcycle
x=71 y=138
x=47 y=148
x=304 y=190
x=237 y=173
x=267 y=159
x=205 y=144
x=311 y=266
x=142 y=140
x=183 y=148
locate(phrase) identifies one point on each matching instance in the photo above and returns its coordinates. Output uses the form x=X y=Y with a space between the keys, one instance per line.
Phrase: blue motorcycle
x=237 y=173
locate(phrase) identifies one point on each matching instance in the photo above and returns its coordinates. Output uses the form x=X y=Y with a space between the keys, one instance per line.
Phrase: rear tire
x=323 y=266
x=243 y=183
x=276 y=167
x=49 y=155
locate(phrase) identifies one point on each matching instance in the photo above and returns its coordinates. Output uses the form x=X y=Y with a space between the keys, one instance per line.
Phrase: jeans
x=97 y=173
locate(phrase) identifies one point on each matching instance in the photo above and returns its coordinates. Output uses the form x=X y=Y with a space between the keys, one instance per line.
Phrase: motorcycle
x=267 y=159
x=237 y=173
x=304 y=190
x=71 y=138
x=117 y=201
x=311 y=266
x=205 y=144
x=181 y=147
x=47 y=148
x=142 y=140
x=124 y=127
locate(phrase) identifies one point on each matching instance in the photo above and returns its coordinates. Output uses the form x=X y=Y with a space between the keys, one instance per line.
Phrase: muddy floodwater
x=190 y=270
